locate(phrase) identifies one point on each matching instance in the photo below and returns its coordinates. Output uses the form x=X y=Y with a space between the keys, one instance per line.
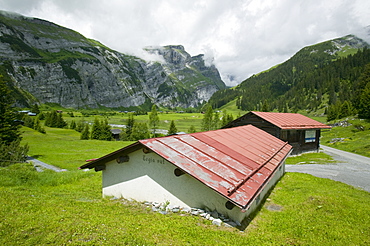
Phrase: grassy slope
x=355 y=141
x=63 y=147
x=67 y=208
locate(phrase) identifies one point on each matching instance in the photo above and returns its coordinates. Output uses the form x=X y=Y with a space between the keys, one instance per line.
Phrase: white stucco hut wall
x=149 y=177
x=279 y=172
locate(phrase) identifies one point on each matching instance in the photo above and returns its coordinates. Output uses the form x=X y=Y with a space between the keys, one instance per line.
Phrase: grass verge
x=310 y=158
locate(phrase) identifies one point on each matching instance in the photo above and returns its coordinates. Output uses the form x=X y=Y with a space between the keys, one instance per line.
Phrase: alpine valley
x=46 y=63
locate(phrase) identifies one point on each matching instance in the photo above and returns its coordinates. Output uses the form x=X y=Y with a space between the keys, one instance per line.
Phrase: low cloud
x=241 y=37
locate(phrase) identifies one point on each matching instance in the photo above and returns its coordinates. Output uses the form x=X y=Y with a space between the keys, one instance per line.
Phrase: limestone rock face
x=45 y=62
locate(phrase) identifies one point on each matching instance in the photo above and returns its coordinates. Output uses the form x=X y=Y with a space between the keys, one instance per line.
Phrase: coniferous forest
x=312 y=79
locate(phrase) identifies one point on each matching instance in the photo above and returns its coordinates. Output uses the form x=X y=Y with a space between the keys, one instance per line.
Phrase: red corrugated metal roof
x=235 y=162
x=290 y=120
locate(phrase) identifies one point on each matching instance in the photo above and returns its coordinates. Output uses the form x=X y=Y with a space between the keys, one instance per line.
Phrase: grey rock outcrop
x=48 y=63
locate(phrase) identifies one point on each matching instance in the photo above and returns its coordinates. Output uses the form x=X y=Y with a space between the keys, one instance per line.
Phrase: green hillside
x=318 y=76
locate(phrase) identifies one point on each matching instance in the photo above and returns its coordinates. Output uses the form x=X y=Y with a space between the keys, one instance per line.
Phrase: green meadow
x=66 y=208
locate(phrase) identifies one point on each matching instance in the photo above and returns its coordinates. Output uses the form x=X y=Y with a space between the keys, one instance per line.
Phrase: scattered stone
x=336 y=140
x=214 y=214
x=186 y=210
x=215 y=217
x=217 y=222
x=156 y=204
x=195 y=212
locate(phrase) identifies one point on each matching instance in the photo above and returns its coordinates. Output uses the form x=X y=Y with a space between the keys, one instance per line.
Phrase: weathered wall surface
x=148 y=177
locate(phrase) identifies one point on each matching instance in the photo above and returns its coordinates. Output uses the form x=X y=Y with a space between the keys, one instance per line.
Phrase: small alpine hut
x=227 y=170
x=301 y=132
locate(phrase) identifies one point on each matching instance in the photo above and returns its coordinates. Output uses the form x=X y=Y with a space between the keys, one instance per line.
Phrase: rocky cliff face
x=49 y=63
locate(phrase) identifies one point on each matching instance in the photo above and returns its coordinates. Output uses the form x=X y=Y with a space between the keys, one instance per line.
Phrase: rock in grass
x=217 y=222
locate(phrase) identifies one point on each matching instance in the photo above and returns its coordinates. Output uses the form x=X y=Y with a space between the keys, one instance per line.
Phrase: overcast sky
x=241 y=37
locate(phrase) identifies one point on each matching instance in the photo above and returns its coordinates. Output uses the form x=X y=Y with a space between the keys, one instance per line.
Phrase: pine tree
x=85 y=133
x=35 y=109
x=192 y=129
x=96 y=129
x=154 y=120
x=130 y=124
x=72 y=125
x=10 y=136
x=207 y=119
x=139 y=131
x=215 y=121
x=60 y=123
x=172 y=129
x=9 y=130
x=28 y=121
x=346 y=109
x=106 y=133
x=364 y=104
x=229 y=118
x=80 y=126
x=53 y=118
x=37 y=125
x=333 y=112
x=265 y=106
x=224 y=118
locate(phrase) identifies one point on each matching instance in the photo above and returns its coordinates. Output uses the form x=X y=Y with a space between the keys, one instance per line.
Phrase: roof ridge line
x=230 y=192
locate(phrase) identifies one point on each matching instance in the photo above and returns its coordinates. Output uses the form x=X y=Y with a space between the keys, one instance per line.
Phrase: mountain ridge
x=299 y=82
x=44 y=62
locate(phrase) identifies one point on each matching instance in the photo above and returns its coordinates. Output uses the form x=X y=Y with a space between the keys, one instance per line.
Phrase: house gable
x=149 y=177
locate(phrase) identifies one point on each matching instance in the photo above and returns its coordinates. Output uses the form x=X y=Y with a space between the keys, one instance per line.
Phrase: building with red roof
x=302 y=132
x=227 y=170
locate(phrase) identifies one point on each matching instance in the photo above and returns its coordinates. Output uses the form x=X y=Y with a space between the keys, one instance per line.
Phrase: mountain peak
x=49 y=63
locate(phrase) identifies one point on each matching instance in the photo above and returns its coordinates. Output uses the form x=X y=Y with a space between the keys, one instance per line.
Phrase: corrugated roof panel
x=235 y=162
x=224 y=147
x=240 y=145
x=226 y=159
x=290 y=120
x=206 y=161
x=189 y=166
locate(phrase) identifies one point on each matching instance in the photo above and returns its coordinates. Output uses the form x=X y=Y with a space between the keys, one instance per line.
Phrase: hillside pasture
x=67 y=207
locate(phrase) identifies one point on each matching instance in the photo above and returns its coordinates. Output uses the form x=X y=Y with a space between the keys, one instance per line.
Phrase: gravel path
x=40 y=166
x=350 y=168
